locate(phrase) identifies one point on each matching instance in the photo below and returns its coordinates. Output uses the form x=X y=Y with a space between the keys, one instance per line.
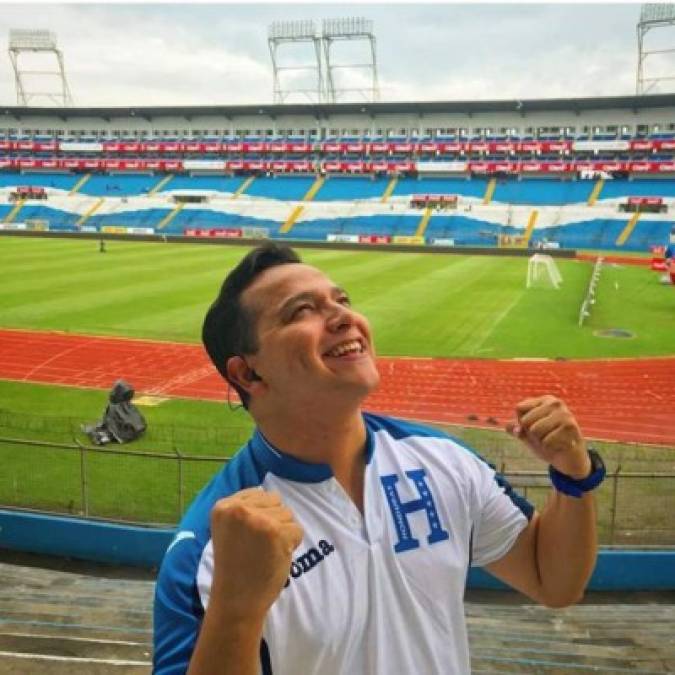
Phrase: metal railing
x=634 y=507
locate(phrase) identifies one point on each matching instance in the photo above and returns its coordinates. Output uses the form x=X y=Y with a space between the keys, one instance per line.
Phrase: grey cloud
x=141 y=54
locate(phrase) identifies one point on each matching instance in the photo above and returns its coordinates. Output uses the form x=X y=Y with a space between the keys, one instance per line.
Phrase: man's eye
x=344 y=300
x=300 y=310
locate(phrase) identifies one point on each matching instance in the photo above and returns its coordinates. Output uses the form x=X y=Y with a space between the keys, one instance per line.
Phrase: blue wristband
x=576 y=488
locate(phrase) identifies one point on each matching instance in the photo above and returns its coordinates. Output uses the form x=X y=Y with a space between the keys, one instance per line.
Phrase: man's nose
x=339 y=317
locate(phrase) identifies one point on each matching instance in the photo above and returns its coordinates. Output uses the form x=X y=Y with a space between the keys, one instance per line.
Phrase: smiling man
x=336 y=541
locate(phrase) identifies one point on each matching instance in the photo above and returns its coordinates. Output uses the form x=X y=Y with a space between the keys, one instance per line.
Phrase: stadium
x=501 y=249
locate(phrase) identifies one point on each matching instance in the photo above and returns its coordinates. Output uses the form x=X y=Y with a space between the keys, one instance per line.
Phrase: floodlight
x=657 y=12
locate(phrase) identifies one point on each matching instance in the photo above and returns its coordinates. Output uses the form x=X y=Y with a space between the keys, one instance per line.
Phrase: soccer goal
x=542 y=270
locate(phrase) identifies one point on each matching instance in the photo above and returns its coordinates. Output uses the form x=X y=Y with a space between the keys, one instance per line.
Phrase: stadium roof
x=576 y=105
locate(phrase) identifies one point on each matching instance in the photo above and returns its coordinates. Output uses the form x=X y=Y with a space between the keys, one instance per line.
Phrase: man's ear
x=239 y=373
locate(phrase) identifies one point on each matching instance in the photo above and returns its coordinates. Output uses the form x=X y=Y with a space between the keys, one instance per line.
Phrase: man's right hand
x=254 y=536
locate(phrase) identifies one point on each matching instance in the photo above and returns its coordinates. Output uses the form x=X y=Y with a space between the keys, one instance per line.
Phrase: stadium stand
x=535 y=183
x=283 y=188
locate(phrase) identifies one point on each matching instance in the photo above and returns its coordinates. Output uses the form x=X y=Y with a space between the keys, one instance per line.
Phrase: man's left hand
x=547 y=426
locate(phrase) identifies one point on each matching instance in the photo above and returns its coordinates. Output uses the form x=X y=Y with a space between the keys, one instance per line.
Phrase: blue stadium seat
x=56 y=218
x=207 y=219
x=119 y=185
x=638 y=188
x=284 y=188
x=224 y=184
x=465 y=231
x=542 y=191
x=48 y=180
x=449 y=186
x=347 y=188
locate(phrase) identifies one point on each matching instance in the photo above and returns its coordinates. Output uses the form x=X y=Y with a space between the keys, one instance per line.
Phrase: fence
x=634 y=507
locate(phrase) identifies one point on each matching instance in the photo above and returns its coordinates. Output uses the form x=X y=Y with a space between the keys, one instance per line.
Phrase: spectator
x=337 y=541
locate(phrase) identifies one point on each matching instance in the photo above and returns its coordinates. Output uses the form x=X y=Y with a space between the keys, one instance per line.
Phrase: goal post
x=542 y=270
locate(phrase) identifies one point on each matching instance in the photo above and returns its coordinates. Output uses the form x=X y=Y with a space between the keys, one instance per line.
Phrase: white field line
x=75 y=639
x=74 y=659
x=500 y=317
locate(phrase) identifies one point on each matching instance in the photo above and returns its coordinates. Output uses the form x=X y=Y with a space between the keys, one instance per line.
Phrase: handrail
x=76 y=445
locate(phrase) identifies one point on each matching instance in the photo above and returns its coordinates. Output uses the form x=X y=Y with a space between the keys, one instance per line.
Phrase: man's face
x=313 y=349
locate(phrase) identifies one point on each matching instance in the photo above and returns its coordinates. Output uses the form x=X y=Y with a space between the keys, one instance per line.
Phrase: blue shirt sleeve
x=178 y=612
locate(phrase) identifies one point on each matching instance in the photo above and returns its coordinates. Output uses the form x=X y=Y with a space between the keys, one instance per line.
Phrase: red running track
x=630 y=400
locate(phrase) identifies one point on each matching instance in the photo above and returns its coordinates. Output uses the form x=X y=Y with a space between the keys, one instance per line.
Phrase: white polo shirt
x=373 y=594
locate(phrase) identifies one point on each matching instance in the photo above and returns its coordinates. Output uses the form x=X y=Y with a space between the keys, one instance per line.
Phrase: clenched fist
x=548 y=427
x=254 y=536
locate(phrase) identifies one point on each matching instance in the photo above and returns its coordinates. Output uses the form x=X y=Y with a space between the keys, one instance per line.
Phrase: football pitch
x=418 y=304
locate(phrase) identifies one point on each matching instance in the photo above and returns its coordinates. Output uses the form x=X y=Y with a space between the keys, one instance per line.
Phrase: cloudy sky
x=191 y=54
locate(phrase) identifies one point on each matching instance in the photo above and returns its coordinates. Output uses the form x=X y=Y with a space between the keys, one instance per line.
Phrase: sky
x=201 y=54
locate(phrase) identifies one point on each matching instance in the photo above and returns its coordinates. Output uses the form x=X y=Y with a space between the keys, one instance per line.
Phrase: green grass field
x=418 y=305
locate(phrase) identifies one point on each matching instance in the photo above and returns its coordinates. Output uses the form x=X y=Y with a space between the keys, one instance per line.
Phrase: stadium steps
x=243 y=187
x=424 y=221
x=160 y=185
x=170 y=216
x=530 y=228
x=489 y=191
x=390 y=188
x=95 y=207
x=79 y=184
x=9 y=218
x=291 y=220
x=597 y=189
x=628 y=230
x=311 y=193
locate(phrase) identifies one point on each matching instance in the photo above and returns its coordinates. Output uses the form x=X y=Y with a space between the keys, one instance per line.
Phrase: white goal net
x=542 y=271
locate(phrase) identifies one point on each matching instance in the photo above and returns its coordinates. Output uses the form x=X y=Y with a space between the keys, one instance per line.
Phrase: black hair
x=229 y=329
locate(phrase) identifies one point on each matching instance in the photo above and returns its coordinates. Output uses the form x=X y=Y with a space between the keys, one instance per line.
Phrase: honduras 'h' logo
x=400 y=510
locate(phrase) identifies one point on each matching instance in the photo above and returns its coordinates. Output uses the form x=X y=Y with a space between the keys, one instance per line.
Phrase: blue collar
x=291 y=468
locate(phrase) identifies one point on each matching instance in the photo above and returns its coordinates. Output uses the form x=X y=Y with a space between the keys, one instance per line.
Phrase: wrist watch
x=574 y=487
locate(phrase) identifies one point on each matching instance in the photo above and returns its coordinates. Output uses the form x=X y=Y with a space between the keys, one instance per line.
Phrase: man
x=353 y=556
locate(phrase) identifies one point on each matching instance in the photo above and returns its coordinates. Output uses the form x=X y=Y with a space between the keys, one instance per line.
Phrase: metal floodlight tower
x=661 y=15
x=37 y=41
x=282 y=33
x=352 y=29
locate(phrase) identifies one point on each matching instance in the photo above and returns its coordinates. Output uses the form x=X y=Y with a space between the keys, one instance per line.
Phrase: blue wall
x=84 y=539
x=617 y=570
